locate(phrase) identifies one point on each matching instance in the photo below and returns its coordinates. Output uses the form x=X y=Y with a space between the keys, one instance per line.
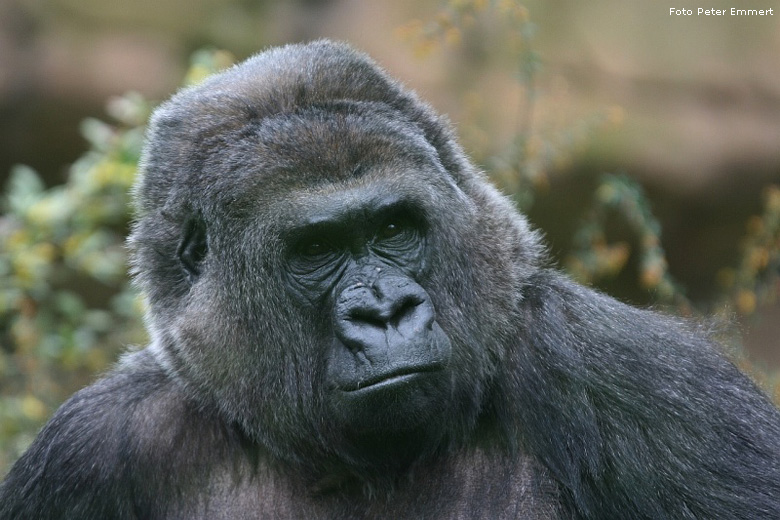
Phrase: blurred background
x=645 y=145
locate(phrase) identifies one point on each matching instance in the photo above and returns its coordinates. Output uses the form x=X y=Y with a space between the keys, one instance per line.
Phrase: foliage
x=594 y=257
x=539 y=144
x=756 y=281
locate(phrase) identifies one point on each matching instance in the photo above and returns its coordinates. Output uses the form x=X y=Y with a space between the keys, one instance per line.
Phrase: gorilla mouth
x=395 y=377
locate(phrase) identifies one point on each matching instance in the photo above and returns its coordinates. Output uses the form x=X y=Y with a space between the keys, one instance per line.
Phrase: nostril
x=367 y=317
x=405 y=310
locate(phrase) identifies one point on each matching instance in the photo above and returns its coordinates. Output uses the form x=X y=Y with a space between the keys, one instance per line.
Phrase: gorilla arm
x=636 y=415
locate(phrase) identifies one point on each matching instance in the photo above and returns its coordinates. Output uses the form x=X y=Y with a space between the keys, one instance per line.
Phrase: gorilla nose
x=371 y=316
x=399 y=314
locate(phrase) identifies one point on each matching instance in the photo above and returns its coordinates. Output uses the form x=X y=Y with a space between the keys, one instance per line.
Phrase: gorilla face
x=316 y=264
x=354 y=253
x=356 y=261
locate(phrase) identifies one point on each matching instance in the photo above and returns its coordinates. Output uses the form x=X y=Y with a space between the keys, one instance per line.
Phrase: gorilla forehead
x=320 y=147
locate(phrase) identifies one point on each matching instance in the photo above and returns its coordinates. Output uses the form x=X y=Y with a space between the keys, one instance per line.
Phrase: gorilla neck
x=467 y=476
x=377 y=463
x=381 y=463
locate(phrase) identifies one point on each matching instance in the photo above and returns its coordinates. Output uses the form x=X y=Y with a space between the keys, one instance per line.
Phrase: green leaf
x=25 y=188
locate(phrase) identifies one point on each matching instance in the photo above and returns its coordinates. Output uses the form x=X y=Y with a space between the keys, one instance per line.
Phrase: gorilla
x=348 y=321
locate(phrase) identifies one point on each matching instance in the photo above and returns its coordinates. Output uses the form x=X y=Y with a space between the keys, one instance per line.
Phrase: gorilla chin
x=394 y=423
x=403 y=405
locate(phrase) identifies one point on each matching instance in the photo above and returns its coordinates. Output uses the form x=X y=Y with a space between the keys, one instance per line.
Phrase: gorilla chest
x=468 y=487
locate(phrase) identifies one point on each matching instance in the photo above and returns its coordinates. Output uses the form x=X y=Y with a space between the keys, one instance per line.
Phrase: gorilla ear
x=193 y=248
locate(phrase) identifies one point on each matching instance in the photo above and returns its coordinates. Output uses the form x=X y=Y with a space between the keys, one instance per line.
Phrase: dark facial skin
x=388 y=359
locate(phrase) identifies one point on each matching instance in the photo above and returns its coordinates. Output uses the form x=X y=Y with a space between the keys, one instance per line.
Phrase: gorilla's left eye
x=396 y=239
x=390 y=230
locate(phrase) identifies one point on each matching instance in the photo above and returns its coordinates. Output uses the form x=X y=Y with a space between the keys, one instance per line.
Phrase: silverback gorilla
x=349 y=322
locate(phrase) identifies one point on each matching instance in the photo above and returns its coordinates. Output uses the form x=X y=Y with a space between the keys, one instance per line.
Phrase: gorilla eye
x=313 y=248
x=397 y=240
x=390 y=230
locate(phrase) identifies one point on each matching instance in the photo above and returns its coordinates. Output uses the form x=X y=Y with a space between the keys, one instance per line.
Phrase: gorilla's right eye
x=313 y=260
x=313 y=248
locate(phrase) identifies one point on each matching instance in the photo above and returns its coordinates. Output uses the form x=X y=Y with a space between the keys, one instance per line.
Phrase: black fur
x=349 y=321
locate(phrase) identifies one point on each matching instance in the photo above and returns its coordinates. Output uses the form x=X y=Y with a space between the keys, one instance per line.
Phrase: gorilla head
x=312 y=242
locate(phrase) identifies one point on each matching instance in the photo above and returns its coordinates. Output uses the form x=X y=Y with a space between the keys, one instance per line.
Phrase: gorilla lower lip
x=393 y=379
